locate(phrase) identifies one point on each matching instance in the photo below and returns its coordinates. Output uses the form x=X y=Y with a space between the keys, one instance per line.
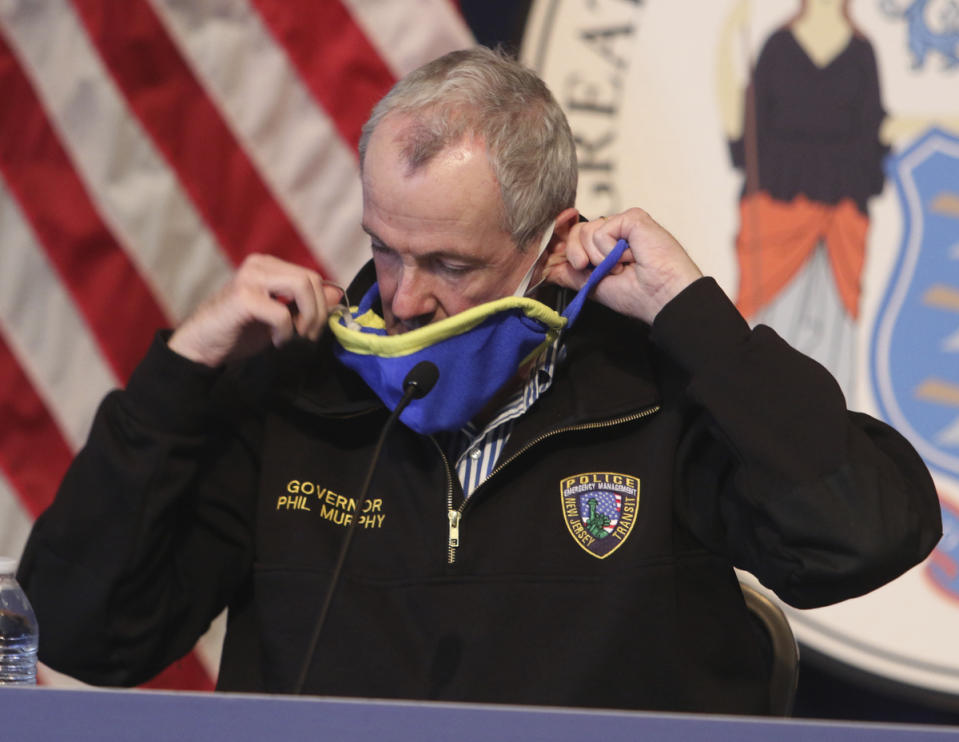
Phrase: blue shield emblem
x=915 y=345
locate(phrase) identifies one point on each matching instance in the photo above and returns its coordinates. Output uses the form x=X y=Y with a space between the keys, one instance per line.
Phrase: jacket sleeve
x=819 y=503
x=150 y=532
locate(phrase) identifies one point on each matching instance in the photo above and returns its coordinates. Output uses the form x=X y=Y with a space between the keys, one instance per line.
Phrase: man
x=572 y=543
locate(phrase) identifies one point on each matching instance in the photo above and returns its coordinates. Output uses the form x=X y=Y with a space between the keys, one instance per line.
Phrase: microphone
x=419 y=382
x=416 y=384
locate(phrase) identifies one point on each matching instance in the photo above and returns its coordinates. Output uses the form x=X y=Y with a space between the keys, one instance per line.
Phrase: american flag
x=146 y=147
x=609 y=504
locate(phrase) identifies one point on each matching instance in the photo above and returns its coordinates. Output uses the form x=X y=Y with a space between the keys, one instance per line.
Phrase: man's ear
x=564 y=222
x=555 y=251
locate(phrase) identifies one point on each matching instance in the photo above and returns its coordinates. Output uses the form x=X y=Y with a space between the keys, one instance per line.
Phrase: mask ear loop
x=599 y=272
x=344 y=304
x=524 y=288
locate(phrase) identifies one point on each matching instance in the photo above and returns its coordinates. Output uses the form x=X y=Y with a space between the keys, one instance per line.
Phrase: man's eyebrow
x=371 y=234
x=435 y=254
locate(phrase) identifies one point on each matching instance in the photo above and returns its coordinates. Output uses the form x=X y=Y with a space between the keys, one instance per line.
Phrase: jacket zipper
x=455 y=515
x=452 y=513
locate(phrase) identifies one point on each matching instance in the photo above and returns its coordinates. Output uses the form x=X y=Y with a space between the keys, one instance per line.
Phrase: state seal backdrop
x=811 y=164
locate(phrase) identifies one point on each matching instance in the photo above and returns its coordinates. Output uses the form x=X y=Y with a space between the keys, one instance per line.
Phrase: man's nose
x=414 y=303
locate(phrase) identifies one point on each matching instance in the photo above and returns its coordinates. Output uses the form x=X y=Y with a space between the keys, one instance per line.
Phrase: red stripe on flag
x=33 y=453
x=333 y=56
x=190 y=132
x=187 y=673
x=116 y=302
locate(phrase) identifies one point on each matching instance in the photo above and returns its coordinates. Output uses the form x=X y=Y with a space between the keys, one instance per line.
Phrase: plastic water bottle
x=18 y=630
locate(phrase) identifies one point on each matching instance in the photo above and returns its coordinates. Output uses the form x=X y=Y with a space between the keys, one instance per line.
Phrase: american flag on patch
x=146 y=147
x=609 y=504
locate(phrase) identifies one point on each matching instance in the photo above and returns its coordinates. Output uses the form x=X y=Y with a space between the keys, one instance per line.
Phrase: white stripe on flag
x=410 y=33
x=209 y=648
x=40 y=322
x=286 y=134
x=15 y=522
x=135 y=192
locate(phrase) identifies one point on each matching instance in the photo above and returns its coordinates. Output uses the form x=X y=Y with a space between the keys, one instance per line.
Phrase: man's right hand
x=267 y=301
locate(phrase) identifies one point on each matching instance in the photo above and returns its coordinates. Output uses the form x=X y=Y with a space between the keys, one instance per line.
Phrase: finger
x=563 y=274
x=298 y=289
x=326 y=295
x=619 y=227
x=599 y=237
x=267 y=311
x=310 y=295
x=575 y=252
x=332 y=294
x=603 y=236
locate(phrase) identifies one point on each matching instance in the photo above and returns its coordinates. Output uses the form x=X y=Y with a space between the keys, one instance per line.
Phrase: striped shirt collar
x=476 y=451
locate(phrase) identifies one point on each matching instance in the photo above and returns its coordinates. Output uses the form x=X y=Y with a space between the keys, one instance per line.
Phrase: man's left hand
x=653 y=271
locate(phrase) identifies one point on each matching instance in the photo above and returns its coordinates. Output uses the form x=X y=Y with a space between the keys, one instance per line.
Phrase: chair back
x=785 y=651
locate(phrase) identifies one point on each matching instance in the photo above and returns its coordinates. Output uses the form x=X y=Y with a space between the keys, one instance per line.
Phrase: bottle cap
x=8 y=565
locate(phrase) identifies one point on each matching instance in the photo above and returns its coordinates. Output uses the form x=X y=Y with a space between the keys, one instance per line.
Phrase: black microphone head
x=421 y=378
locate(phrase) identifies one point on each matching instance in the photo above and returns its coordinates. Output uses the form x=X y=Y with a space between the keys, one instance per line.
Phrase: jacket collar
x=609 y=372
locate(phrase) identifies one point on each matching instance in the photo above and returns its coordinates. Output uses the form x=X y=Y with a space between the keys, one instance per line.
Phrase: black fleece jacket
x=200 y=490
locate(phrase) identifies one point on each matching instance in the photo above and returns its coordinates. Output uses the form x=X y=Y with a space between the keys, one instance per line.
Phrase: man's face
x=438 y=242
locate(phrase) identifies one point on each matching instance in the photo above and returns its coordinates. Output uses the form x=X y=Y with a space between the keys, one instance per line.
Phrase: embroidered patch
x=304 y=495
x=600 y=510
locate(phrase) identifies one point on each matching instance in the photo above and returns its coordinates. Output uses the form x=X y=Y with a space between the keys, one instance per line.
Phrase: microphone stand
x=418 y=382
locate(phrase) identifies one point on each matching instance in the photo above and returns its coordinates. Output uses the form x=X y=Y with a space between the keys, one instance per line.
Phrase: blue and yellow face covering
x=476 y=351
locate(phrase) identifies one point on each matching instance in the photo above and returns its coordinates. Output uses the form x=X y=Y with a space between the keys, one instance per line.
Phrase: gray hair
x=485 y=93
